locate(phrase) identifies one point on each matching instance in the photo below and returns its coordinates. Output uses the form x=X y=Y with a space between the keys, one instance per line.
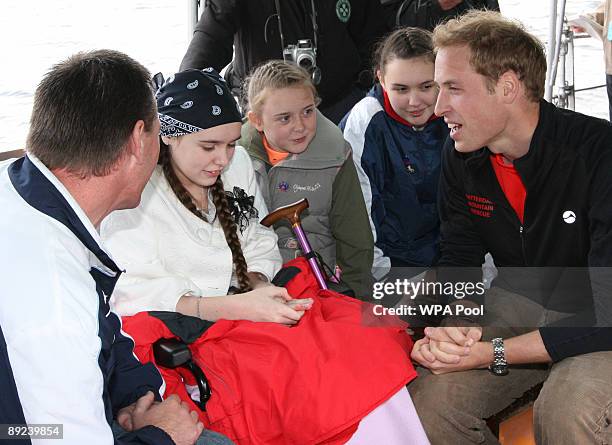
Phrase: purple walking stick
x=292 y=212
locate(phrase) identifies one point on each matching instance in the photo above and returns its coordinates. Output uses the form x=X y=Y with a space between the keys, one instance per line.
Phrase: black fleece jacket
x=562 y=252
x=347 y=31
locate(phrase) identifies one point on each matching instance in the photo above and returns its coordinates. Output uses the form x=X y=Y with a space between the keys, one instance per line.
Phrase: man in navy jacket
x=92 y=146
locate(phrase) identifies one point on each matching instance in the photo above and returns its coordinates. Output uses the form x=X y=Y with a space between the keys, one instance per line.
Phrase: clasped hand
x=450 y=349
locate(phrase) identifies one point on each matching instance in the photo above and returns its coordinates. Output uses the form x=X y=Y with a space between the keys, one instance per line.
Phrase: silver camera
x=305 y=55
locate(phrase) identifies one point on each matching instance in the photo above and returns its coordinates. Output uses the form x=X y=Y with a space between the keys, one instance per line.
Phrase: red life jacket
x=307 y=384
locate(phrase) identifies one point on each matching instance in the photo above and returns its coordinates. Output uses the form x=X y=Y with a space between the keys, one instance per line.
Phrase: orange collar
x=273 y=156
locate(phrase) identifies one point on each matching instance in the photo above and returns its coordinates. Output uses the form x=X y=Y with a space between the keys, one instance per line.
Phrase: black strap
x=311 y=254
x=285 y=275
x=187 y=328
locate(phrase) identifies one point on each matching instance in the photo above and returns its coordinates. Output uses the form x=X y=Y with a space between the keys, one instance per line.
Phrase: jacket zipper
x=523 y=244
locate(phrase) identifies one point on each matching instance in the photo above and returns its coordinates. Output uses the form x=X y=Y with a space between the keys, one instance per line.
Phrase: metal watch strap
x=499 y=365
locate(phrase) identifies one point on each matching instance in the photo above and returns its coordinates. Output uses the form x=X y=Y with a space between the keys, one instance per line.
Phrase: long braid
x=225 y=218
x=179 y=190
x=229 y=229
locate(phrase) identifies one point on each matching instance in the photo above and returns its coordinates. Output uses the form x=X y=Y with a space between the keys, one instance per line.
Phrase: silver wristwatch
x=499 y=365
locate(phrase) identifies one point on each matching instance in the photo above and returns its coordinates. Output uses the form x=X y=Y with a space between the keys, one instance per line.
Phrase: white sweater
x=169 y=252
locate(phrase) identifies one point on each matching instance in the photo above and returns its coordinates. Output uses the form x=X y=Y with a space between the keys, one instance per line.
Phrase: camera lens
x=305 y=62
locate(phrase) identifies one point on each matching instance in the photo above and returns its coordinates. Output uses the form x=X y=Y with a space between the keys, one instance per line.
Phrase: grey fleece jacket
x=336 y=222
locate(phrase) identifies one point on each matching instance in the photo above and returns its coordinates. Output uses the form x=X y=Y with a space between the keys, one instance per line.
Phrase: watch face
x=499 y=369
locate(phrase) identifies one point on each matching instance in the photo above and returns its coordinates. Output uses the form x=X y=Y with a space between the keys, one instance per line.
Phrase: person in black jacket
x=427 y=14
x=343 y=31
x=529 y=183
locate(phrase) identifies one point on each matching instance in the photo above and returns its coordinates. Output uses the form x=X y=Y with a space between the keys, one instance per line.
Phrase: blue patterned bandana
x=194 y=100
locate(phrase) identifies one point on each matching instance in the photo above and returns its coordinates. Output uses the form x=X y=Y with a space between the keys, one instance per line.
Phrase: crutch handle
x=290 y=212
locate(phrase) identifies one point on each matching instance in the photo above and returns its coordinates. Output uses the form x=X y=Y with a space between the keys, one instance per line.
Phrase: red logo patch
x=480 y=206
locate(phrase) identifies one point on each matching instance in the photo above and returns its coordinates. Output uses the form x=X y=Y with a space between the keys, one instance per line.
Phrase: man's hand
x=450 y=348
x=124 y=417
x=480 y=355
x=459 y=335
x=172 y=415
x=448 y=344
x=445 y=5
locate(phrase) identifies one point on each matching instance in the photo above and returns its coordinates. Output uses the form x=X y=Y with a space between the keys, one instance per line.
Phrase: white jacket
x=169 y=252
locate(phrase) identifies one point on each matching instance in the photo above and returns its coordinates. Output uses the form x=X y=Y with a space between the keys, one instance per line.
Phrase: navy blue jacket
x=63 y=356
x=399 y=169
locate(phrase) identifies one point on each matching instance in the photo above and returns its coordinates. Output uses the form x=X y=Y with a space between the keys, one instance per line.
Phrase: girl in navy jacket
x=397 y=141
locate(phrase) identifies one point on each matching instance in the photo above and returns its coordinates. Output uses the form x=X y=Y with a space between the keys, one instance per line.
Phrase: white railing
x=192 y=17
x=560 y=89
